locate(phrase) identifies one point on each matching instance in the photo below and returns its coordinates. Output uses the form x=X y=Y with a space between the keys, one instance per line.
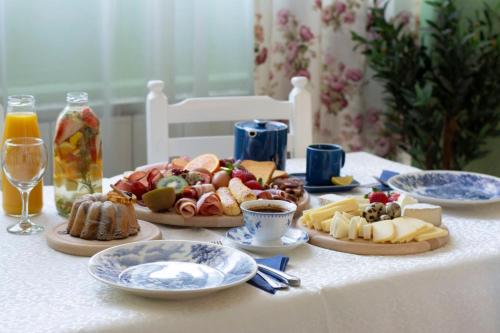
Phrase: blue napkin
x=385 y=176
x=276 y=262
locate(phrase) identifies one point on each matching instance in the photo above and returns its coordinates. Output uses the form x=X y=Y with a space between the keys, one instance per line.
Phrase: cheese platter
x=206 y=191
x=381 y=224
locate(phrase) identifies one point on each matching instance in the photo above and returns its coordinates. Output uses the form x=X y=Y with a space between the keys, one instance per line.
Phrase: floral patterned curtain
x=312 y=38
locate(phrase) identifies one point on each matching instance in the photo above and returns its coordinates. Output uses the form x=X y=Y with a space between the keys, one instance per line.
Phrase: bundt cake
x=103 y=217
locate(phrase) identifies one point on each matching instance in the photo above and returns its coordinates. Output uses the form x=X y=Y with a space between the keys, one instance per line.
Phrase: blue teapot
x=261 y=140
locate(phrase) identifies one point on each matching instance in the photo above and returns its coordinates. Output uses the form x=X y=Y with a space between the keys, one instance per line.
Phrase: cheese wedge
x=434 y=233
x=339 y=227
x=367 y=231
x=405 y=199
x=361 y=224
x=383 y=231
x=261 y=170
x=425 y=212
x=352 y=233
x=326 y=199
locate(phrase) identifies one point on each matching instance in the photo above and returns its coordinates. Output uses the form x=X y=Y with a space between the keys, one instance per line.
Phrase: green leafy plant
x=442 y=85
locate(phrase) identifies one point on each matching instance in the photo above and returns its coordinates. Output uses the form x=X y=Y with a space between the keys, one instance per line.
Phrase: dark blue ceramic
x=261 y=140
x=324 y=161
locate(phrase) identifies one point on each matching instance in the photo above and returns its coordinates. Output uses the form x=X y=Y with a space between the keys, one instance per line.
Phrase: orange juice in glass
x=20 y=121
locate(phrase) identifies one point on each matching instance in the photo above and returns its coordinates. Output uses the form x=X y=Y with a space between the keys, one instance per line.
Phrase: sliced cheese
x=352 y=233
x=361 y=224
x=355 y=212
x=330 y=205
x=426 y=212
x=339 y=227
x=383 y=231
x=347 y=215
x=307 y=222
x=404 y=230
x=323 y=214
x=434 y=233
x=367 y=231
x=418 y=225
x=325 y=225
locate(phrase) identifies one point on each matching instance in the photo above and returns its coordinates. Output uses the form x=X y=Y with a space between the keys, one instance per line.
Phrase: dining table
x=455 y=288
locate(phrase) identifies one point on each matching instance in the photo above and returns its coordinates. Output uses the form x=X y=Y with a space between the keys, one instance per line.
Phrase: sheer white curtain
x=111 y=48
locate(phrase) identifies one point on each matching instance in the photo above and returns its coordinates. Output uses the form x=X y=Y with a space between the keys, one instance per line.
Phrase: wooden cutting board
x=364 y=247
x=224 y=221
x=59 y=240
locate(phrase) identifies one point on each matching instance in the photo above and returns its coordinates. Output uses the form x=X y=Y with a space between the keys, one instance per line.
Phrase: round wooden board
x=224 y=221
x=364 y=247
x=59 y=240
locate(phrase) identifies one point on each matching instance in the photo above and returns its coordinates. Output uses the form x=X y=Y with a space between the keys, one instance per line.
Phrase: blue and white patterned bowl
x=172 y=269
x=448 y=188
x=267 y=226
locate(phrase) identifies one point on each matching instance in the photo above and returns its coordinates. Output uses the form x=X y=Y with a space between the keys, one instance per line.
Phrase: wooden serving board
x=223 y=221
x=59 y=240
x=364 y=247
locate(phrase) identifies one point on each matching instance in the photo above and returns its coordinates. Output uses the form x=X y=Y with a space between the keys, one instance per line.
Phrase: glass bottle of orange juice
x=77 y=152
x=20 y=121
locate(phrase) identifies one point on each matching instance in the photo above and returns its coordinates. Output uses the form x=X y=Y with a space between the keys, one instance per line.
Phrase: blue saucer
x=244 y=239
x=324 y=188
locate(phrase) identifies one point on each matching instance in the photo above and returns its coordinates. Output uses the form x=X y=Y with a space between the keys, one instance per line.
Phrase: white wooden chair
x=159 y=114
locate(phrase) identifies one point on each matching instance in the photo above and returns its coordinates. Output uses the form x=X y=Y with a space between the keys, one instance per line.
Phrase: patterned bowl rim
x=393 y=180
x=247 y=277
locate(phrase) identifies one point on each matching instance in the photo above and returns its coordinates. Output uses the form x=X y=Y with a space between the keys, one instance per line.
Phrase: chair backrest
x=159 y=114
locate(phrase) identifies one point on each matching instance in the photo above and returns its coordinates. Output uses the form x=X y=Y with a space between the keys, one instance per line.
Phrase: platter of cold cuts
x=206 y=191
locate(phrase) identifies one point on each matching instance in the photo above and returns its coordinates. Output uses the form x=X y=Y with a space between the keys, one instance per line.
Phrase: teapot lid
x=260 y=125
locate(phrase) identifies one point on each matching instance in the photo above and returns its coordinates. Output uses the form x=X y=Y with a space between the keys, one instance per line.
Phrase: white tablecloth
x=453 y=289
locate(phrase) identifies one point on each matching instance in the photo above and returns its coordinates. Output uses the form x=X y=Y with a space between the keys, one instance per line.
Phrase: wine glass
x=24 y=160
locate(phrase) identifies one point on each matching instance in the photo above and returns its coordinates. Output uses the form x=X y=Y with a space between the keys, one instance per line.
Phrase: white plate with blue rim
x=241 y=237
x=172 y=269
x=448 y=188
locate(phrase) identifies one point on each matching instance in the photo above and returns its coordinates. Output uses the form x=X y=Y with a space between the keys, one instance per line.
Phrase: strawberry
x=393 y=197
x=253 y=185
x=89 y=118
x=66 y=127
x=378 y=197
x=244 y=175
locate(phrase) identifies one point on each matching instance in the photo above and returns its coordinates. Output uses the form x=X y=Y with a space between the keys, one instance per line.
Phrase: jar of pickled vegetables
x=77 y=152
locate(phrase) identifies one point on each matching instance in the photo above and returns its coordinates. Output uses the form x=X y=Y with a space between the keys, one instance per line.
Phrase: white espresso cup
x=268 y=220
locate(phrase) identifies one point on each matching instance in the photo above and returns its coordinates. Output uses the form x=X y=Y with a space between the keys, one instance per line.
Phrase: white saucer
x=241 y=237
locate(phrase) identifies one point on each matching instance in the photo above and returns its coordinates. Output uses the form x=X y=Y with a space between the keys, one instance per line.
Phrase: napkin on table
x=277 y=262
x=385 y=176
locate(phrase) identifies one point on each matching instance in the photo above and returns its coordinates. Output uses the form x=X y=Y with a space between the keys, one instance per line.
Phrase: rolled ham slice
x=209 y=204
x=186 y=207
x=260 y=194
x=203 y=188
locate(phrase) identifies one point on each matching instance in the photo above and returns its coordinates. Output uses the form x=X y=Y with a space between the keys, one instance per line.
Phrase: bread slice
x=261 y=170
x=279 y=174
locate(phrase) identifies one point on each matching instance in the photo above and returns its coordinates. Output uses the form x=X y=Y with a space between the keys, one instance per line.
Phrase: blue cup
x=324 y=161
